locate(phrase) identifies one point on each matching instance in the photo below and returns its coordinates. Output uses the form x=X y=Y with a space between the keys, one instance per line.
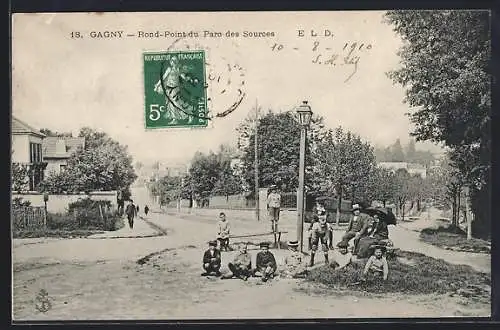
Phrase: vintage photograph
x=251 y=165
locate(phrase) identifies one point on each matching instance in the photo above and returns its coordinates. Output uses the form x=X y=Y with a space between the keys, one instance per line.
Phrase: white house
x=57 y=151
x=412 y=168
x=27 y=150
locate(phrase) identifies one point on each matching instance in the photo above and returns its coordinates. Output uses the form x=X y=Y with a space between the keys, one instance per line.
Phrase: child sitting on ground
x=341 y=257
x=376 y=266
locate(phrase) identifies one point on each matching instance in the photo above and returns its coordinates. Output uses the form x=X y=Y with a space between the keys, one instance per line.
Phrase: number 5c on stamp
x=174 y=88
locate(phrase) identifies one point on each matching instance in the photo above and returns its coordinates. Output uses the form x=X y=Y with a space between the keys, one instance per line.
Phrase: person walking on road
x=146 y=210
x=131 y=213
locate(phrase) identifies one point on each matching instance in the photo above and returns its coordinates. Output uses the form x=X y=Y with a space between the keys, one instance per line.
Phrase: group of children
x=294 y=265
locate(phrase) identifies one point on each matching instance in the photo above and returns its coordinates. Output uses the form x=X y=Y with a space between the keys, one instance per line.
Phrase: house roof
x=61 y=147
x=20 y=127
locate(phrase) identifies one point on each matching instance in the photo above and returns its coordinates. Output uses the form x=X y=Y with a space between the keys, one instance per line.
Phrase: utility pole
x=256 y=161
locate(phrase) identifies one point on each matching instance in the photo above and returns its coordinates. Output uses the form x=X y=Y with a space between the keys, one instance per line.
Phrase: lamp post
x=304 y=113
x=45 y=200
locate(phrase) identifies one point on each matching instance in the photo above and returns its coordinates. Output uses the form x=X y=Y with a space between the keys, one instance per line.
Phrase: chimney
x=60 y=147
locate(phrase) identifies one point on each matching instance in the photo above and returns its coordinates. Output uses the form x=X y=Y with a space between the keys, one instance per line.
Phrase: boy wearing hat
x=341 y=257
x=265 y=262
x=357 y=225
x=294 y=263
x=211 y=260
x=322 y=233
x=241 y=266
x=377 y=264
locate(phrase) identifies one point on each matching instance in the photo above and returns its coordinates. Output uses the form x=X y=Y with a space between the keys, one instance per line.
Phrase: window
x=35 y=152
x=62 y=167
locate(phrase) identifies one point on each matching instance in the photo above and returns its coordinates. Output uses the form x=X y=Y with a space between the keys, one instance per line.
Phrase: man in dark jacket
x=357 y=226
x=131 y=213
x=146 y=210
x=211 y=260
x=265 y=263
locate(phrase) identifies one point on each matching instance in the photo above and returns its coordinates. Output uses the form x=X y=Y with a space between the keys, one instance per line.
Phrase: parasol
x=383 y=214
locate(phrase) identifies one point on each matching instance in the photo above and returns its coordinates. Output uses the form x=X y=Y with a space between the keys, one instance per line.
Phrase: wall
x=59 y=203
x=20 y=148
x=53 y=166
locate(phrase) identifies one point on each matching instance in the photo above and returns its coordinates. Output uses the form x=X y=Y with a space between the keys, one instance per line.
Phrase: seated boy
x=211 y=260
x=376 y=266
x=241 y=266
x=265 y=263
x=341 y=257
x=294 y=263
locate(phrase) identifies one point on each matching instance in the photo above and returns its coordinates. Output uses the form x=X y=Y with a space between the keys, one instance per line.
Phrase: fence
x=58 y=203
x=29 y=218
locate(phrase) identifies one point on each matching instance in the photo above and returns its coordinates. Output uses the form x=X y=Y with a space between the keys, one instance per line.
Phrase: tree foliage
x=278 y=150
x=19 y=176
x=446 y=72
x=102 y=165
x=346 y=162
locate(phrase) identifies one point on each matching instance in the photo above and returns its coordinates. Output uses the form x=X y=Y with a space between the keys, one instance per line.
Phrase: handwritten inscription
x=346 y=54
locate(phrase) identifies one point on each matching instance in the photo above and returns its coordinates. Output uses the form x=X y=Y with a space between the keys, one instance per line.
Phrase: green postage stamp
x=174 y=88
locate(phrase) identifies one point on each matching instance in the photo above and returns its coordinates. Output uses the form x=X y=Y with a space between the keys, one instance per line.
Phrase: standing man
x=131 y=213
x=274 y=205
x=357 y=225
x=120 y=202
x=146 y=210
x=265 y=263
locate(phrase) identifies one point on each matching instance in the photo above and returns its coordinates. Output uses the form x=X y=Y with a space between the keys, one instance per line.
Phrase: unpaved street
x=145 y=276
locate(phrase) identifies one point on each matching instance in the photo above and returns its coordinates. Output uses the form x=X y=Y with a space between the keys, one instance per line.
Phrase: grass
x=421 y=275
x=65 y=231
x=453 y=238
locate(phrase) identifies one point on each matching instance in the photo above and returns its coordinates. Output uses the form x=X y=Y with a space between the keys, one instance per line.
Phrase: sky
x=65 y=83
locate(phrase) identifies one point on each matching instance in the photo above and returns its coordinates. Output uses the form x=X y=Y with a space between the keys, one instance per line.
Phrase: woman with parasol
x=377 y=231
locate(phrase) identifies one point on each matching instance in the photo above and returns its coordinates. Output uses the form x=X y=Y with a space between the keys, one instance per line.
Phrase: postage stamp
x=174 y=89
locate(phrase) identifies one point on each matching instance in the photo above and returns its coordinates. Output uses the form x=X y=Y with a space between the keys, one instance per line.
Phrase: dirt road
x=159 y=278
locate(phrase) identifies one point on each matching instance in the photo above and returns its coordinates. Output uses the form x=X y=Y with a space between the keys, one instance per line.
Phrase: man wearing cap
x=357 y=225
x=274 y=205
x=322 y=233
x=341 y=257
x=211 y=260
x=294 y=263
x=265 y=263
x=241 y=266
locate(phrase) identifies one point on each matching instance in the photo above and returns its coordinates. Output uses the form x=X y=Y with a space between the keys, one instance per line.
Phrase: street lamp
x=305 y=114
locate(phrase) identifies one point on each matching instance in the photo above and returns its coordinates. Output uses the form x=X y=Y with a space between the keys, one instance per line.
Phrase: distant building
x=57 y=151
x=412 y=168
x=27 y=150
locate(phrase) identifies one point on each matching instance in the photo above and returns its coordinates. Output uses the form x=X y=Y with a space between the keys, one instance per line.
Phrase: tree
x=20 y=176
x=384 y=185
x=447 y=75
x=278 y=150
x=411 y=152
x=345 y=161
x=403 y=192
x=397 y=153
x=102 y=165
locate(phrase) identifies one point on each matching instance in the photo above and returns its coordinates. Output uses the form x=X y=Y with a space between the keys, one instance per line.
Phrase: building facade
x=27 y=152
x=57 y=151
x=412 y=168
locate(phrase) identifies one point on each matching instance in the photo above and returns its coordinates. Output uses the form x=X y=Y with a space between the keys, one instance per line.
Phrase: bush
x=453 y=238
x=424 y=276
